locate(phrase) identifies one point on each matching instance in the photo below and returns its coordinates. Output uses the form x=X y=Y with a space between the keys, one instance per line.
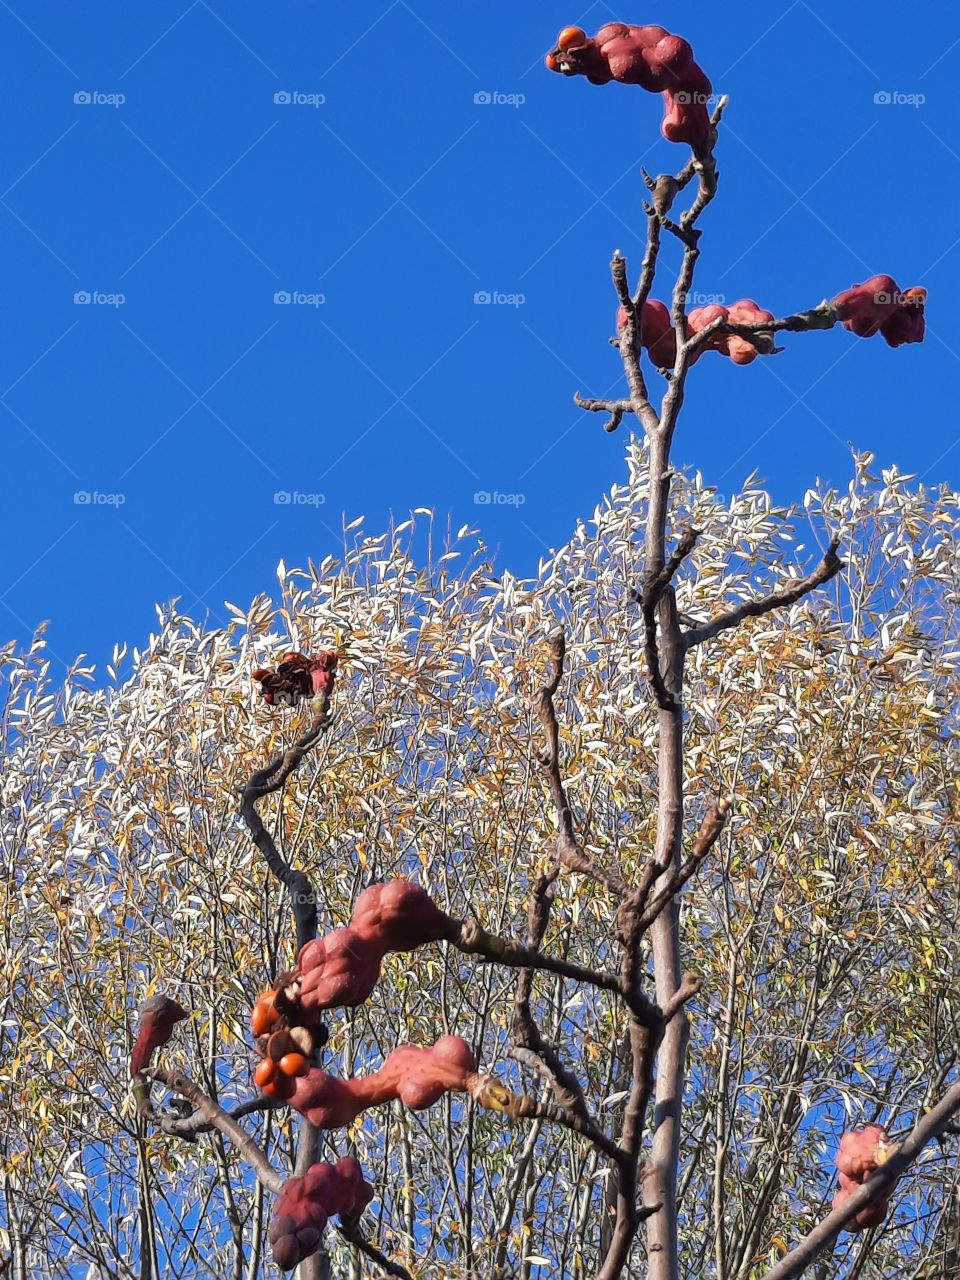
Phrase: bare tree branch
x=760 y=332
x=531 y=1047
x=649 y=601
x=828 y=568
x=271 y=778
x=217 y=1118
x=629 y=342
x=491 y=1094
x=615 y=408
x=713 y=823
x=351 y=1233
x=473 y=939
x=569 y=852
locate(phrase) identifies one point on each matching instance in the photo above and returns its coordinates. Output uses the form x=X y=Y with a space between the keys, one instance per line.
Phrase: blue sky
x=181 y=186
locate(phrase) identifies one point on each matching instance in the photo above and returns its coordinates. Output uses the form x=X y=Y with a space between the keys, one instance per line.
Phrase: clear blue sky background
x=398 y=199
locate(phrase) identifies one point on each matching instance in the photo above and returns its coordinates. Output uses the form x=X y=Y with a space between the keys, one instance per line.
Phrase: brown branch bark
x=650 y=599
x=218 y=1119
x=568 y=851
x=710 y=829
x=494 y=1096
x=530 y=1046
x=190 y=1127
x=628 y=340
x=829 y=567
x=270 y=778
x=615 y=408
x=473 y=939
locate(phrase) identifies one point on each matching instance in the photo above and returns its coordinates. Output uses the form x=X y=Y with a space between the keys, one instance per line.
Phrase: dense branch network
x=340 y=970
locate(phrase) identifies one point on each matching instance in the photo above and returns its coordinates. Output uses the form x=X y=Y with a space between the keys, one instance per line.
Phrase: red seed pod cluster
x=287 y=1056
x=305 y=1204
x=657 y=334
x=861 y=1152
x=341 y=969
x=659 y=338
x=297 y=675
x=740 y=350
x=876 y=306
x=880 y=306
x=417 y=1076
x=288 y=1044
x=333 y=972
x=647 y=56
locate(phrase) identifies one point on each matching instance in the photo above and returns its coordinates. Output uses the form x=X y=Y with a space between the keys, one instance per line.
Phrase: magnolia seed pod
x=265 y=1015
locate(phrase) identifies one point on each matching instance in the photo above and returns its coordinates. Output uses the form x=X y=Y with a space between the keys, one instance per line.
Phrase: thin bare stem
x=569 y=852
x=352 y=1234
x=829 y=567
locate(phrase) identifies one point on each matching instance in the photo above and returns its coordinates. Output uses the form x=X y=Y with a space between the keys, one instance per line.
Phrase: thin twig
x=489 y=1093
x=190 y=1127
x=473 y=939
x=760 y=332
x=530 y=1044
x=351 y=1233
x=828 y=568
x=568 y=850
x=615 y=408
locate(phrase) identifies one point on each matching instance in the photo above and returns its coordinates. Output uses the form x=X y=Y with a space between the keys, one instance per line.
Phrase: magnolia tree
x=539 y=1012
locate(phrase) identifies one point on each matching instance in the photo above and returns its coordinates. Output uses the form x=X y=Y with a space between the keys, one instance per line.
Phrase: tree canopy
x=823 y=927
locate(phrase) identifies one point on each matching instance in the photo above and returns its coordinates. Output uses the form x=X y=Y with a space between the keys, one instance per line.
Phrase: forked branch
x=270 y=778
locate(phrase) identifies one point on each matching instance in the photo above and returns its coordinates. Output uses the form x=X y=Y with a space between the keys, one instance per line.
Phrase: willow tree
x=617 y=894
